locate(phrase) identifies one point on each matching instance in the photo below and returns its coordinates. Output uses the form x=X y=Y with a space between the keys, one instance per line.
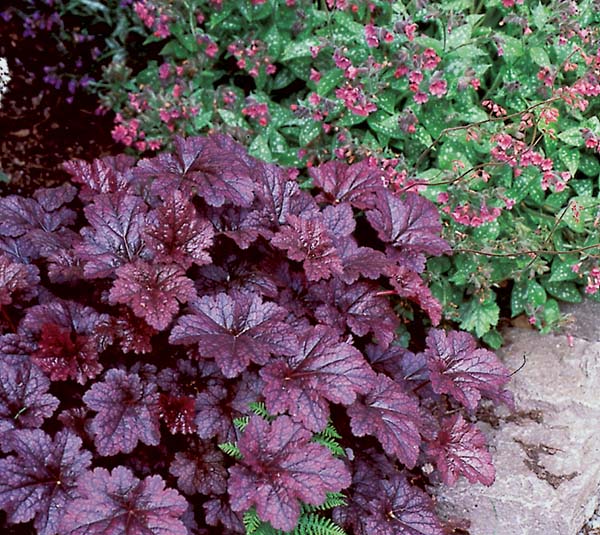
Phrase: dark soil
x=39 y=129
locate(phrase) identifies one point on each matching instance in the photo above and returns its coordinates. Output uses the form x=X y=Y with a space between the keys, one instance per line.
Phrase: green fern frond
x=251 y=521
x=260 y=409
x=241 y=422
x=334 y=499
x=231 y=449
x=331 y=443
x=330 y=432
x=313 y=524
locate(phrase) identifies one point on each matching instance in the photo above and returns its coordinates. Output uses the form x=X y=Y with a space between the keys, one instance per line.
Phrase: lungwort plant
x=193 y=341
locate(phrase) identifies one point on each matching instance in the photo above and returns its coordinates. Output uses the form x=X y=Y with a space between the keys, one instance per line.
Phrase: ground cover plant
x=488 y=108
x=193 y=341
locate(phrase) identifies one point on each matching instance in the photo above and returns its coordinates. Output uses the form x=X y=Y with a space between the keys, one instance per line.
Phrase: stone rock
x=584 y=319
x=547 y=452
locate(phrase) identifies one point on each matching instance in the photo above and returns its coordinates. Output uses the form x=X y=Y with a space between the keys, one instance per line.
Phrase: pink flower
x=438 y=87
x=315 y=75
x=211 y=49
x=420 y=97
x=164 y=71
x=371 y=36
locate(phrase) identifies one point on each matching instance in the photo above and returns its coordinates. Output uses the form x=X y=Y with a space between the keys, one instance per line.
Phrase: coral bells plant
x=193 y=342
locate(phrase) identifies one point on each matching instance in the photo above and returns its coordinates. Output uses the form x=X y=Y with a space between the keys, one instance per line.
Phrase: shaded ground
x=39 y=129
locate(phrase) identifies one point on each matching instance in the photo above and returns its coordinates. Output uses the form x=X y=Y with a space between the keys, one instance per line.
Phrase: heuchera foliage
x=147 y=308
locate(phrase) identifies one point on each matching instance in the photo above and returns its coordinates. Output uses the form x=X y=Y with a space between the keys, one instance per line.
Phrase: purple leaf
x=240 y=224
x=178 y=413
x=153 y=291
x=132 y=333
x=308 y=241
x=39 y=480
x=51 y=199
x=127 y=413
x=281 y=468
x=411 y=224
x=213 y=414
x=400 y=508
x=279 y=197
x=100 y=176
x=24 y=397
x=68 y=346
x=215 y=168
x=458 y=368
x=20 y=215
x=324 y=370
x=360 y=306
x=409 y=284
x=339 y=220
x=200 y=470
x=460 y=449
x=356 y=184
x=218 y=511
x=391 y=415
x=115 y=236
x=17 y=280
x=118 y=503
x=360 y=261
x=175 y=233
x=235 y=330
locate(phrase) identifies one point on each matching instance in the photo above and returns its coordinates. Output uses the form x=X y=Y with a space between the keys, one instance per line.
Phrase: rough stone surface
x=585 y=319
x=547 y=453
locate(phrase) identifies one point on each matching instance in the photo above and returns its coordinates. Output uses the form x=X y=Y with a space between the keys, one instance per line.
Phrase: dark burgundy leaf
x=128 y=412
x=175 y=233
x=132 y=333
x=356 y=184
x=458 y=368
x=280 y=468
x=411 y=224
x=409 y=284
x=400 y=508
x=360 y=261
x=213 y=415
x=240 y=224
x=118 y=503
x=215 y=168
x=308 y=241
x=339 y=220
x=39 y=480
x=200 y=470
x=326 y=369
x=68 y=345
x=24 y=397
x=390 y=361
x=391 y=415
x=360 y=306
x=154 y=291
x=235 y=330
x=100 y=176
x=218 y=511
x=460 y=449
x=20 y=215
x=51 y=199
x=116 y=234
x=279 y=197
x=178 y=413
x=17 y=280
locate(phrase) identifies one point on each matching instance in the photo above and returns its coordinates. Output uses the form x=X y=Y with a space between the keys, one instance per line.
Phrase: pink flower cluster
x=258 y=111
x=128 y=133
x=374 y=35
x=252 y=57
x=153 y=18
x=593 y=281
x=413 y=69
x=466 y=215
x=355 y=100
x=518 y=155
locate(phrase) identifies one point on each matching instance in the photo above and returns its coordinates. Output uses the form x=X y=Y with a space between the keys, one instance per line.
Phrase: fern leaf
x=230 y=449
x=313 y=524
x=260 y=409
x=241 y=423
x=334 y=499
x=251 y=521
x=331 y=443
